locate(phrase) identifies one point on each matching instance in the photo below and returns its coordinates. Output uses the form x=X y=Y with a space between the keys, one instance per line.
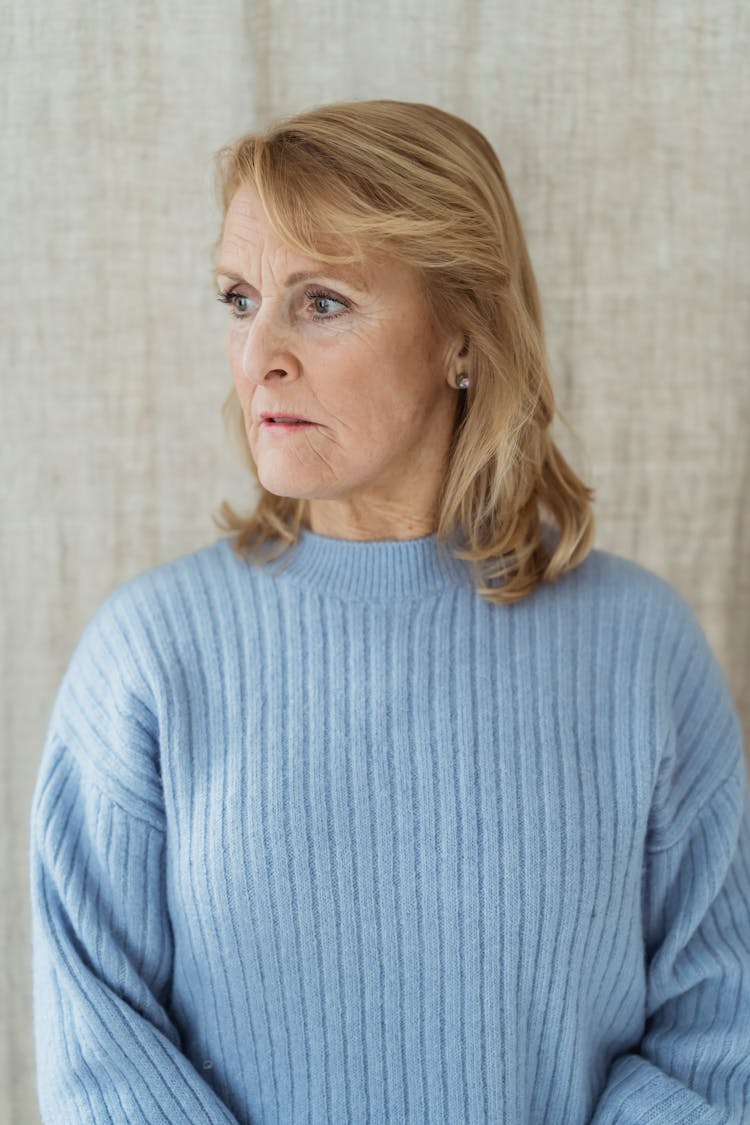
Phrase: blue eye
x=314 y=295
x=231 y=298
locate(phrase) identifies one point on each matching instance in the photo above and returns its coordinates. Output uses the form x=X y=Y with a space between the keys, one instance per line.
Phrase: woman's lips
x=286 y=427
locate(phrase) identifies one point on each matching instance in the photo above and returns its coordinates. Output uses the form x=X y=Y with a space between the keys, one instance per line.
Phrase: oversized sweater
x=340 y=841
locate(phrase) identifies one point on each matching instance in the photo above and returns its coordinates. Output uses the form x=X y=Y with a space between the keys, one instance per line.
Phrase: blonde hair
x=426 y=188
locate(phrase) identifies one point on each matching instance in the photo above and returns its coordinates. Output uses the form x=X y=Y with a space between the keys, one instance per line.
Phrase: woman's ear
x=459 y=346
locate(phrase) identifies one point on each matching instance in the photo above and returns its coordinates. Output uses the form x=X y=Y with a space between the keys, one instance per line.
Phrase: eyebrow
x=300 y=275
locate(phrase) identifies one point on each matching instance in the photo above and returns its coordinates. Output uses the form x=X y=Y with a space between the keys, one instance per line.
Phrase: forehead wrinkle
x=247 y=215
x=336 y=273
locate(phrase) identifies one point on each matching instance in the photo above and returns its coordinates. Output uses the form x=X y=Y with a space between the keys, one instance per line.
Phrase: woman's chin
x=295 y=485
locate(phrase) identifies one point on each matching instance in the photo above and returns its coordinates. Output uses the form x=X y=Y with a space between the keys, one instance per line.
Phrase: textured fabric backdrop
x=622 y=130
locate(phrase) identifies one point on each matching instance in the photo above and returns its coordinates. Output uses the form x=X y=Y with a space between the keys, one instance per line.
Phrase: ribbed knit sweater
x=342 y=842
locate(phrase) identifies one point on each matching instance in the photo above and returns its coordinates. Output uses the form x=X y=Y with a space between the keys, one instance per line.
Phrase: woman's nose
x=268 y=347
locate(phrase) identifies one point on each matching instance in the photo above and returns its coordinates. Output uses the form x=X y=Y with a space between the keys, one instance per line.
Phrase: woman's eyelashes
x=230 y=298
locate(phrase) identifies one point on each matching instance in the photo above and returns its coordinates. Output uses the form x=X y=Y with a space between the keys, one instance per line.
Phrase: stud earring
x=463 y=382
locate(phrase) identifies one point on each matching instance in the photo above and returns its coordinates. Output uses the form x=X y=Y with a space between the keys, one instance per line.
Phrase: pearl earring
x=463 y=382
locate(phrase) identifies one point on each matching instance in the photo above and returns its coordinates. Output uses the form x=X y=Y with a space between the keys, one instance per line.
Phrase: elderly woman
x=399 y=802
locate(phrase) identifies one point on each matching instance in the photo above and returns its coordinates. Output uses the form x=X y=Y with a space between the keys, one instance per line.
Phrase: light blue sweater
x=342 y=842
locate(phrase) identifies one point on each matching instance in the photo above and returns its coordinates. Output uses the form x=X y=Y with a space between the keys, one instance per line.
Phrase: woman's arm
x=102 y=946
x=693 y=1063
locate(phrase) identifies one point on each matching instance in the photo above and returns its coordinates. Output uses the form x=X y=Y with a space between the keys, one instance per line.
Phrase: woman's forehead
x=240 y=227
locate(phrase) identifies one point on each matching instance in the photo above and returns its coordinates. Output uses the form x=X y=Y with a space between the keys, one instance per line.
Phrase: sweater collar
x=370 y=570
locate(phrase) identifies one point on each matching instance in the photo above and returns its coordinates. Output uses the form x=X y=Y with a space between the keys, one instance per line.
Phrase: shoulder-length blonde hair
x=425 y=187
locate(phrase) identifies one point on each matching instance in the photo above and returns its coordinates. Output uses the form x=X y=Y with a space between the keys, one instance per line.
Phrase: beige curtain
x=623 y=132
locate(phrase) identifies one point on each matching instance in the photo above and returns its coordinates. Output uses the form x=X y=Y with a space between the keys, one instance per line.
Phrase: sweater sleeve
x=102 y=945
x=693 y=1062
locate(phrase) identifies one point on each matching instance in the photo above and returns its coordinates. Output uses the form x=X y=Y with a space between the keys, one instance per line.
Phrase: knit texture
x=339 y=841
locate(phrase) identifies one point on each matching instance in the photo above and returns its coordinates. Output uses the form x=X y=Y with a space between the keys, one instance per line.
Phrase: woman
x=399 y=802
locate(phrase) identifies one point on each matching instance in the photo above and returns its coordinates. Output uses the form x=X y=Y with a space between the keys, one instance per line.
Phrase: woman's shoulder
x=612 y=580
x=185 y=579
x=154 y=610
x=629 y=604
x=638 y=621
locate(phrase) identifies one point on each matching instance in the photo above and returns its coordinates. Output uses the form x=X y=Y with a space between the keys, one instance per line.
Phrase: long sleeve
x=693 y=1063
x=102 y=946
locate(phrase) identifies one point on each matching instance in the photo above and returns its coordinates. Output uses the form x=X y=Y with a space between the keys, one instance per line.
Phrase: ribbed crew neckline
x=372 y=569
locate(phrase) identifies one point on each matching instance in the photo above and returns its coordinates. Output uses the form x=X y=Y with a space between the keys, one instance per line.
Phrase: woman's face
x=353 y=354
